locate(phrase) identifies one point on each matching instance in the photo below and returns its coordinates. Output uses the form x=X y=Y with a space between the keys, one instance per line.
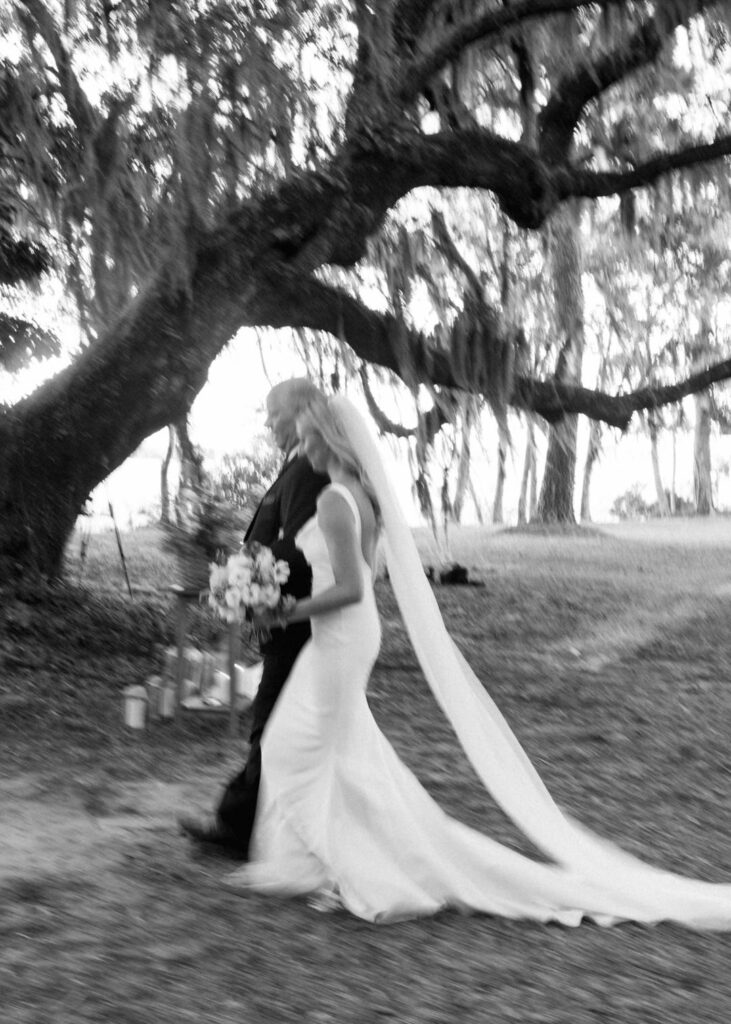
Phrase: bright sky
x=229 y=413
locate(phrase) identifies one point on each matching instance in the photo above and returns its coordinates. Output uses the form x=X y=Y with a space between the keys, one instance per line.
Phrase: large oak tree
x=202 y=167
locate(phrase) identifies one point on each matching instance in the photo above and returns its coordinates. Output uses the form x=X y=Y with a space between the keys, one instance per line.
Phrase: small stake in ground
x=121 y=550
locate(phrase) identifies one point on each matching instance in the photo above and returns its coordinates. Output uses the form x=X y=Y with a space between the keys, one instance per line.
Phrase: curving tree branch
x=454 y=40
x=478 y=158
x=385 y=340
x=559 y=118
x=410 y=19
x=592 y=184
x=527 y=187
x=552 y=400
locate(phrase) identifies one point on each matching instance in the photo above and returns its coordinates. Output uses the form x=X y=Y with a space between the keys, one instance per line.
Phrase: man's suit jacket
x=284 y=509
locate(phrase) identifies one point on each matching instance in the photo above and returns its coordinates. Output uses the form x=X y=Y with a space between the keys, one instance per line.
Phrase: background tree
x=243 y=477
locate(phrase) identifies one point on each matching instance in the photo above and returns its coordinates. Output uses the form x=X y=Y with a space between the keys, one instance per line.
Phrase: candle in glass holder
x=135 y=706
x=193 y=674
x=153 y=686
x=171 y=662
x=167 y=699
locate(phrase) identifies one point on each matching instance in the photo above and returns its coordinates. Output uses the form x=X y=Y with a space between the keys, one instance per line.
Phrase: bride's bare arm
x=335 y=519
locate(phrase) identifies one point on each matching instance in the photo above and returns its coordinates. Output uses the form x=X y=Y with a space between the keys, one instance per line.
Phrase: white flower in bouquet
x=270 y=595
x=281 y=571
x=240 y=571
x=218 y=585
x=265 y=561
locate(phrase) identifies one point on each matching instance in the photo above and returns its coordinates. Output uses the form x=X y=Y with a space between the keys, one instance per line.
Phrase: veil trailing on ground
x=643 y=892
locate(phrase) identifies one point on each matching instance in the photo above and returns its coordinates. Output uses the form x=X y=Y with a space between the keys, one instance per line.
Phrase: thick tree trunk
x=556 y=501
x=59 y=443
x=662 y=499
x=702 y=482
x=592 y=454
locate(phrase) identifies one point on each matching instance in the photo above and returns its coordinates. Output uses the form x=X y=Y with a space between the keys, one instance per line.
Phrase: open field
x=609 y=652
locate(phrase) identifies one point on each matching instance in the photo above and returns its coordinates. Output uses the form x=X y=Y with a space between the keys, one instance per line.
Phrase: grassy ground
x=609 y=653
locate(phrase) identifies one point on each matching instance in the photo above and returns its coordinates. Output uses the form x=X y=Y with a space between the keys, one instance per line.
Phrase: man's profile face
x=280 y=419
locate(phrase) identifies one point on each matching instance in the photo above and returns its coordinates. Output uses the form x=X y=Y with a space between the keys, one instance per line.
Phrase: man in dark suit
x=283 y=510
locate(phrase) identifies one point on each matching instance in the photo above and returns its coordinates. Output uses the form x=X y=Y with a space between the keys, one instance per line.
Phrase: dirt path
x=622 y=635
x=88 y=833
x=605 y=643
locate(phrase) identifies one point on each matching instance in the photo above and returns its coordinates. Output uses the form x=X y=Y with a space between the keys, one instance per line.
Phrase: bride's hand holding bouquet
x=275 y=618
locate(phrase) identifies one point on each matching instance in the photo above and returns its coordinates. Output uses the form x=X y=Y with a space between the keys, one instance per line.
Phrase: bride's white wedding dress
x=339 y=812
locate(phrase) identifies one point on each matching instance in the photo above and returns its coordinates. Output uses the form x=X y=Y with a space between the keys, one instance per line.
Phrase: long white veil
x=495 y=753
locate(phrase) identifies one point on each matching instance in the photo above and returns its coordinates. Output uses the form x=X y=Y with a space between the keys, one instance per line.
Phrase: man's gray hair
x=299 y=392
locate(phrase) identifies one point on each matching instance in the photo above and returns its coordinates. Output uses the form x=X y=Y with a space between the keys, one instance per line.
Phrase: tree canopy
x=198 y=167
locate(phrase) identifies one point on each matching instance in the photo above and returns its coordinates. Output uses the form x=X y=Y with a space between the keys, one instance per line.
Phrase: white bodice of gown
x=354 y=623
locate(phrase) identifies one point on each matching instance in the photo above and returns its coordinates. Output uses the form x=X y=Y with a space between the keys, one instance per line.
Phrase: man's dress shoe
x=209 y=834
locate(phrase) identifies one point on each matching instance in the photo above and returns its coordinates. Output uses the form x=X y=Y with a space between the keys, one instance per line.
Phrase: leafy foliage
x=21 y=261
x=173 y=114
x=243 y=477
x=145 y=124
x=22 y=341
x=632 y=505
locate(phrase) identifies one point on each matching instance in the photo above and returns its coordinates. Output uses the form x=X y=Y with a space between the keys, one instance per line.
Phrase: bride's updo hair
x=322 y=415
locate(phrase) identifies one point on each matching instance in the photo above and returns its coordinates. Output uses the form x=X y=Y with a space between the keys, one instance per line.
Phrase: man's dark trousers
x=237 y=809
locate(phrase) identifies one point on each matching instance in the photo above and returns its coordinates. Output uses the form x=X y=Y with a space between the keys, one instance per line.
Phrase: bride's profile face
x=313 y=446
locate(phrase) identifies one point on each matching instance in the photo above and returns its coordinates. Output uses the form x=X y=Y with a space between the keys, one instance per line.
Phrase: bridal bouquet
x=250 y=581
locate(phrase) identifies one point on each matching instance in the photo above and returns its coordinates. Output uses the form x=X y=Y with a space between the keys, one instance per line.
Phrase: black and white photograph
x=365 y=511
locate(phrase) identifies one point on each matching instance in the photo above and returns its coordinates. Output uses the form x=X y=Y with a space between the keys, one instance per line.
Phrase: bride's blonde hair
x=321 y=414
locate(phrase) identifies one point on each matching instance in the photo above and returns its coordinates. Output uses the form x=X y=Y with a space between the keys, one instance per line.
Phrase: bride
x=342 y=819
